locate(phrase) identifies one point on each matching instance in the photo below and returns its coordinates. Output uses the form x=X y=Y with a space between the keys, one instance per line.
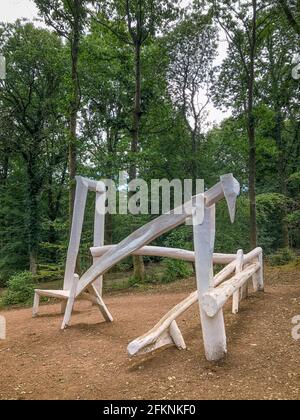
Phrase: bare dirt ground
x=89 y=360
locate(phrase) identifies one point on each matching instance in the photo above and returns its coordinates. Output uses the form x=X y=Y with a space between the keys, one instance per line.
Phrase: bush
x=181 y=237
x=293 y=221
x=270 y=217
x=176 y=269
x=48 y=274
x=231 y=237
x=282 y=257
x=20 y=289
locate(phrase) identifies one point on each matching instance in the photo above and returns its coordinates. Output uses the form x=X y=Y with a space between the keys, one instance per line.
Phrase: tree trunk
x=136 y=114
x=138 y=262
x=33 y=267
x=194 y=171
x=5 y=168
x=139 y=268
x=33 y=218
x=74 y=106
x=72 y=165
x=252 y=181
x=252 y=133
x=282 y=176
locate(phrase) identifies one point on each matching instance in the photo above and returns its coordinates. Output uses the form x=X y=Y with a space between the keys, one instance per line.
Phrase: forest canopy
x=99 y=87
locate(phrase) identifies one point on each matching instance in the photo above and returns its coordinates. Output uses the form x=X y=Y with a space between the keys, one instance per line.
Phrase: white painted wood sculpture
x=212 y=291
x=71 y=279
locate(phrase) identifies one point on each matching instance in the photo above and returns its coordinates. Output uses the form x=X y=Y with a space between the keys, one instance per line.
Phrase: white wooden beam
x=148 y=341
x=239 y=269
x=70 y=303
x=230 y=269
x=76 y=230
x=101 y=305
x=175 y=253
x=154 y=229
x=36 y=304
x=99 y=227
x=258 y=277
x=213 y=329
x=214 y=300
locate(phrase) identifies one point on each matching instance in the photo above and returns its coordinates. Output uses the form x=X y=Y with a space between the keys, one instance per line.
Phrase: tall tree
x=30 y=104
x=68 y=18
x=106 y=114
x=244 y=25
x=192 y=50
x=277 y=88
x=136 y=22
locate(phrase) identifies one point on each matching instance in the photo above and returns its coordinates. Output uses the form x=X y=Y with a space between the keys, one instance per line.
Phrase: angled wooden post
x=213 y=329
x=76 y=231
x=99 y=227
x=258 y=278
x=100 y=303
x=75 y=236
x=70 y=302
x=36 y=304
x=237 y=294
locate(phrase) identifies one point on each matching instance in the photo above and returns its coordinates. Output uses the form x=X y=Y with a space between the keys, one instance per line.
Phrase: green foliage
x=231 y=237
x=48 y=273
x=32 y=140
x=175 y=269
x=20 y=289
x=133 y=282
x=271 y=213
x=293 y=221
x=282 y=257
x=181 y=237
x=176 y=60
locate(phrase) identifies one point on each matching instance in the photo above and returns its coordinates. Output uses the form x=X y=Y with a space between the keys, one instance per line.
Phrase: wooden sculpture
x=212 y=291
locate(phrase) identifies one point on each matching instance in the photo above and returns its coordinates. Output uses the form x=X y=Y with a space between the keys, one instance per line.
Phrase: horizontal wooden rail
x=215 y=299
x=230 y=269
x=151 y=340
x=175 y=253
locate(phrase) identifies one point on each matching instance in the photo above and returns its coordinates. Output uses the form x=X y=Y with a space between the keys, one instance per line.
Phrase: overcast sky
x=15 y=9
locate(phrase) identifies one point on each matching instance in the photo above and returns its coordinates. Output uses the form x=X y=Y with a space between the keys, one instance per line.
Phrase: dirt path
x=89 y=360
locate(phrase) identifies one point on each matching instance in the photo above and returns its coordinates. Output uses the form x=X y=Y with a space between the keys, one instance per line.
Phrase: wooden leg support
x=236 y=302
x=258 y=278
x=36 y=304
x=237 y=296
x=214 y=336
x=101 y=305
x=70 y=303
x=93 y=296
x=151 y=342
x=213 y=329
